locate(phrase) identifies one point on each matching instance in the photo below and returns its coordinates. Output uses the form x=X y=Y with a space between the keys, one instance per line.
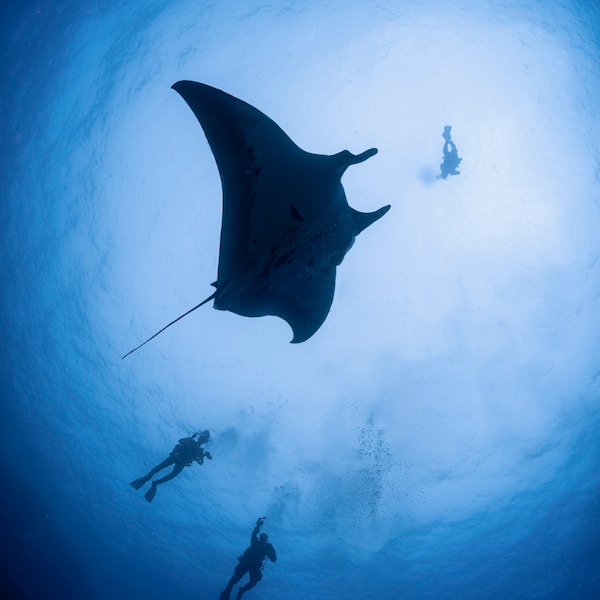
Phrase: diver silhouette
x=187 y=451
x=251 y=562
x=451 y=159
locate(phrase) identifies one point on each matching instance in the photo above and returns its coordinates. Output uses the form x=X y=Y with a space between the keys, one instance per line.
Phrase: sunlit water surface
x=437 y=437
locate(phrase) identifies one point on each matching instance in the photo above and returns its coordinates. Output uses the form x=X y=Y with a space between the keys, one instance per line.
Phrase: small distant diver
x=188 y=450
x=251 y=562
x=451 y=158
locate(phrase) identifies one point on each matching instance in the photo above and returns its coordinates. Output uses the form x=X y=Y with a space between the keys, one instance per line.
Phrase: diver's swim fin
x=138 y=483
x=226 y=593
x=149 y=495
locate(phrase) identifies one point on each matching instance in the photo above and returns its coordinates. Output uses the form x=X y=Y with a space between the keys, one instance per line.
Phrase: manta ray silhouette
x=286 y=222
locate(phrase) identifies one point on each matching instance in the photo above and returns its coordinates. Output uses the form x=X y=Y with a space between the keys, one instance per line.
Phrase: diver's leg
x=239 y=572
x=163 y=465
x=138 y=483
x=255 y=577
x=226 y=593
x=149 y=495
x=242 y=590
x=179 y=466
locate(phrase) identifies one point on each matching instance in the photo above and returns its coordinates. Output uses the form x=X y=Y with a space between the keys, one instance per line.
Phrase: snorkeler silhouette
x=187 y=451
x=451 y=159
x=251 y=562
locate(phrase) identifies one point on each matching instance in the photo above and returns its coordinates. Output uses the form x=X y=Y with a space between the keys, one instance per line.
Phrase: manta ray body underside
x=286 y=222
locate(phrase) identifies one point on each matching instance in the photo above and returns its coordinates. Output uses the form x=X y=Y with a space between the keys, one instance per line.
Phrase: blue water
x=438 y=436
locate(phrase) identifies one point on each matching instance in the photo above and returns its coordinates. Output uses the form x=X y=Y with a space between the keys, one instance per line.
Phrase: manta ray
x=286 y=223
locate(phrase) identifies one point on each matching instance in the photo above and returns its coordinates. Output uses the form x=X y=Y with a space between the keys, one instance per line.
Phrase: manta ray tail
x=211 y=297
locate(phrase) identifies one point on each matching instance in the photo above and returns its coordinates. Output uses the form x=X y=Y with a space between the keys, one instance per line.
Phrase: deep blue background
x=437 y=438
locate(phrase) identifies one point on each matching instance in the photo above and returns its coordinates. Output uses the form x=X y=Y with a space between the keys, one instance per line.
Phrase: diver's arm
x=254 y=536
x=203 y=453
x=271 y=553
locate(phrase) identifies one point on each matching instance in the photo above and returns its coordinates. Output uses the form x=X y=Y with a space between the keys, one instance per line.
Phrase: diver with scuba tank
x=251 y=562
x=187 y=451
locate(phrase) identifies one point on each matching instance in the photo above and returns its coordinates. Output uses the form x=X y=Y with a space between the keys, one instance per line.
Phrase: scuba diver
x=251 y=562
x=451 y=159
x=188 y=450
